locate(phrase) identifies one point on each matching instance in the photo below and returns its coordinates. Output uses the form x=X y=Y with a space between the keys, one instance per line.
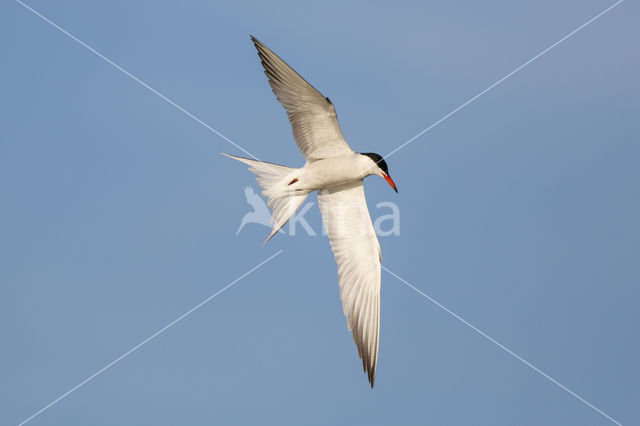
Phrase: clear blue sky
x=519 y=213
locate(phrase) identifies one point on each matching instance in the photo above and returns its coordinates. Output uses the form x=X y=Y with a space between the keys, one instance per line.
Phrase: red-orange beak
x=390 y=182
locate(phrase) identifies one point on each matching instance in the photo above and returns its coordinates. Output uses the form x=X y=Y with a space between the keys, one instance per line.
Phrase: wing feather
x=357 y=252
x=312 y=116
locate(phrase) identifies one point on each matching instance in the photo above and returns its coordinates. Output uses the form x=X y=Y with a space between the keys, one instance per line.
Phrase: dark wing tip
x=260 y=47
x=371 y=374
x=372 y=377
x=368 y=367
x=257 y=43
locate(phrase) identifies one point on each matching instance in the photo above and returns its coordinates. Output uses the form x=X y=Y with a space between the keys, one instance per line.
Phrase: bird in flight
x=336 y=171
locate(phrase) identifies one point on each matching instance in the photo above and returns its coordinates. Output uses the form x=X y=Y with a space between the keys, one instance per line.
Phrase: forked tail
x=274 y=180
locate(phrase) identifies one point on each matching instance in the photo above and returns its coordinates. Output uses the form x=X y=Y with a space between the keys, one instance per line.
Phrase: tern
x=336 y=172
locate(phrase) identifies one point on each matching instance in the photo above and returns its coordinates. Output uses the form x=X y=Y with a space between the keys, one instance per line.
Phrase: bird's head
x=380 y=168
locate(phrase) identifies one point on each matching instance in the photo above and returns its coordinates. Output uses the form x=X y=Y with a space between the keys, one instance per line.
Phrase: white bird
x=336 y=172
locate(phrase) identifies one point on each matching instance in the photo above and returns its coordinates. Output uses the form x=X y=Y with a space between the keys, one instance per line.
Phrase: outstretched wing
x=357 y=252
x=312 y=116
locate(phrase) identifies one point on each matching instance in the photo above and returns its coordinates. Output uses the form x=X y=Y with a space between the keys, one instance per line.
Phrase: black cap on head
x=377 y=158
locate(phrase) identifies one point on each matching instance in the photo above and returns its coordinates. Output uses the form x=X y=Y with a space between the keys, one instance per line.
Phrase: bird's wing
x=357 y=251
x=312 y=116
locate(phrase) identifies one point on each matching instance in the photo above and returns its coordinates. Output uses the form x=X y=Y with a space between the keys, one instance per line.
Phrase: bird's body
x=331 y=172
x=336 y=172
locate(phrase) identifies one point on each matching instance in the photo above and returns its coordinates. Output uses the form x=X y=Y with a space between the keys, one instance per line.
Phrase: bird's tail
x=275 y=181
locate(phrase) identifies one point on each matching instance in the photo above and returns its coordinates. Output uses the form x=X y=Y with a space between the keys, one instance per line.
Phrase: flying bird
x=336 y=172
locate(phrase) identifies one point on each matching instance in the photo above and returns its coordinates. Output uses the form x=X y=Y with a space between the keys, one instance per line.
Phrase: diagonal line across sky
x=134 y=78
x=458 y=108
x=145 y=341
x=500 y=345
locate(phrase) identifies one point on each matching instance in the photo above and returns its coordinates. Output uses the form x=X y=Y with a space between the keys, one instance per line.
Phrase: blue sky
x=519 y=213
